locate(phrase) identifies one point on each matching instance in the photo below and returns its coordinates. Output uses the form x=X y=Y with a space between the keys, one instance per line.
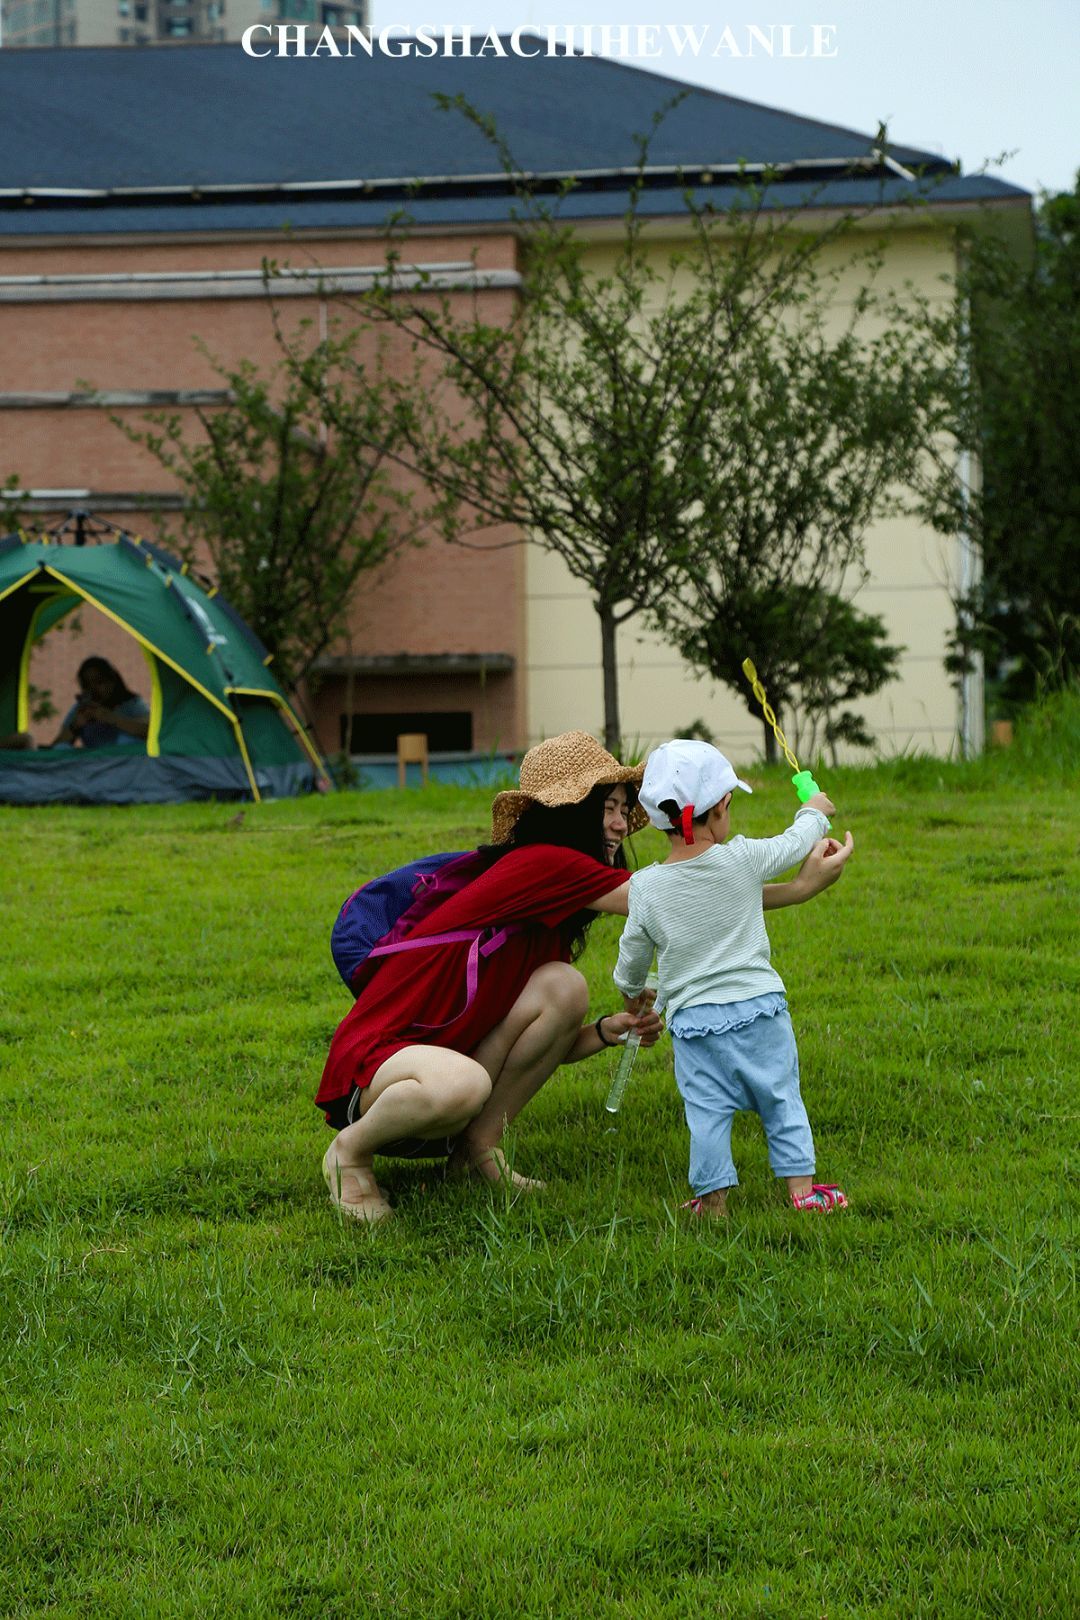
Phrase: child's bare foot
x=712 y=1204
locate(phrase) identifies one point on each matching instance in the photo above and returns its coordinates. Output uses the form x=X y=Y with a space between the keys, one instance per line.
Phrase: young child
x=701 y=912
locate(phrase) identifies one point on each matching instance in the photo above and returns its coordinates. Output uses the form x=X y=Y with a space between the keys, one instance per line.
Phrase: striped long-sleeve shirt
x=703 y=918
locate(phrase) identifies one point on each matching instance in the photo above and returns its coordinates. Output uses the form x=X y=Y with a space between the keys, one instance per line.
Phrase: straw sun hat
x=563 y=770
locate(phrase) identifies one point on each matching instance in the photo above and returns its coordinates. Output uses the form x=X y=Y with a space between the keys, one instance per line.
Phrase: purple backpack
x=376 y=920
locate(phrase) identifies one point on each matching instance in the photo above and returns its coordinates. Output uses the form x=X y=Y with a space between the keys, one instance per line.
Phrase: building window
x=449 y=733
x=123 y=8
x=178 y=27
x=123 y=35
x=140 y=13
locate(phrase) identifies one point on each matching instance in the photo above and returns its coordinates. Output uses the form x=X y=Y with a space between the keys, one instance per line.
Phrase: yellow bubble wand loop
x=803 y=781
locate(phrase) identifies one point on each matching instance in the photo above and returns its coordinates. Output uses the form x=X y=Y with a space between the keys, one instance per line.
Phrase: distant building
x=140 y=218
x=156 y=22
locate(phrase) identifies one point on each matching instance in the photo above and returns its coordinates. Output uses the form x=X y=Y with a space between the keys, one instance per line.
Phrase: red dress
x=540 y=885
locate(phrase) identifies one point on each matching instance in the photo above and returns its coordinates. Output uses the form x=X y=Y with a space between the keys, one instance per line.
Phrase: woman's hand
x=647 y=1026
x=639 y=1019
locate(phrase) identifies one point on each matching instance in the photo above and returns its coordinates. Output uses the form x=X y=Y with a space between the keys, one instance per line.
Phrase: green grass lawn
x=218 y=1399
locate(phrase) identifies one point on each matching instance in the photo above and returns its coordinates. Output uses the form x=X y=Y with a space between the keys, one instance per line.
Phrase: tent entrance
x=219 y=724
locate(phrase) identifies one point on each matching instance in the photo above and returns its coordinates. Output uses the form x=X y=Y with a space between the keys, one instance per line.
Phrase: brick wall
x=432 y=601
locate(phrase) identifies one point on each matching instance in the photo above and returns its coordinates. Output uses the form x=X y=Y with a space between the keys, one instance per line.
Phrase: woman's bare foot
x=491 y=1166
x=354 y=1190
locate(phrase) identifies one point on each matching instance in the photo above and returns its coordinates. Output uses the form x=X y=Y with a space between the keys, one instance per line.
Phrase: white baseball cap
x=694 y=774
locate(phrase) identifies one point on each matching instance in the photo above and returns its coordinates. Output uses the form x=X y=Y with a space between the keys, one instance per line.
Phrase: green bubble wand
x=803 y=781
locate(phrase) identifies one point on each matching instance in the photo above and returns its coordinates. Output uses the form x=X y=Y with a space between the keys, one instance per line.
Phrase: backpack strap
x=480 y=946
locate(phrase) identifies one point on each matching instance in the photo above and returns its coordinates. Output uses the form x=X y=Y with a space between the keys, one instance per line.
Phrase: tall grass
x=1046 y=745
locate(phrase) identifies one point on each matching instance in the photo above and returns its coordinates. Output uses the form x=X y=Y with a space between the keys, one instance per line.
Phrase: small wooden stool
x=412 y=749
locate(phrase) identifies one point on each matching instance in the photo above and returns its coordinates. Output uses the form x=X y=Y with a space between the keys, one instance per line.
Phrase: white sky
x=971 y=79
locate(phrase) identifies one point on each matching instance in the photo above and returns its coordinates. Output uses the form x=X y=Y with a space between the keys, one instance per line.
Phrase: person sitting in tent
x=106 y=713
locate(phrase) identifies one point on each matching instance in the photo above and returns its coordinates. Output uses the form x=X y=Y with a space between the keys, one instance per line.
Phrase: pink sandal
x=822 y=1197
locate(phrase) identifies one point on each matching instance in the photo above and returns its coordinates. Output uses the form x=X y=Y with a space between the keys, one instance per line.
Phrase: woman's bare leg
x=518 y=1055
x=425 y=1091
x=432 y=1092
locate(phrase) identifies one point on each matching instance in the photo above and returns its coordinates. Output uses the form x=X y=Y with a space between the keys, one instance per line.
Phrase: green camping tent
x=220 y=726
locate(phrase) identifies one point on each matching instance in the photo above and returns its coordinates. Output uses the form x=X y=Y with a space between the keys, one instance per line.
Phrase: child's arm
x=635 y=957
x=770 y=856
x=822 y=867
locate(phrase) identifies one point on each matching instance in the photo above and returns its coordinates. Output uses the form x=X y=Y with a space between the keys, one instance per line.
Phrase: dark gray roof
x=169 y=121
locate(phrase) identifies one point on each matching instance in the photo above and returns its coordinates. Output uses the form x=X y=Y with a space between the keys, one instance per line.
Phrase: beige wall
x=910 y=569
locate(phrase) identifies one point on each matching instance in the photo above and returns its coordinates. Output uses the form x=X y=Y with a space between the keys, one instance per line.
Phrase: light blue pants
x=755 y=1067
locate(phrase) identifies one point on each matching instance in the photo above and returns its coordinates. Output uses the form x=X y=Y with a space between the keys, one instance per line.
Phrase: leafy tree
x=627 y=418
x=814 y=652
x=817 y=436
x=1018 y=418
x=851 y=659
x=287 y=508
